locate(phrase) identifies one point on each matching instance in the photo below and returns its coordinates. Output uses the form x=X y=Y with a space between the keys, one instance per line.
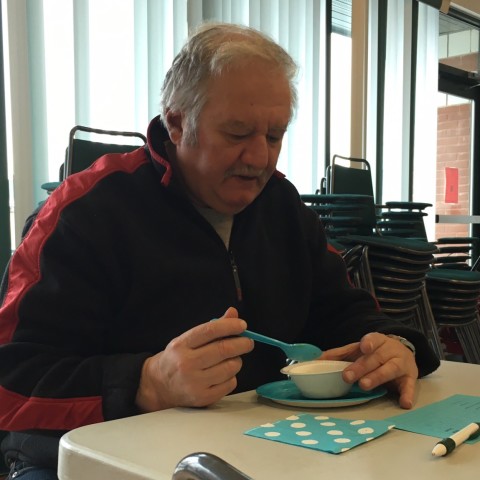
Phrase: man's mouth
x=246 y=177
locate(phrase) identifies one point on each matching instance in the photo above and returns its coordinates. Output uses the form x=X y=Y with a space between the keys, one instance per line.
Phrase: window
x=340 y=78
x=80 y=67
x=72 y=64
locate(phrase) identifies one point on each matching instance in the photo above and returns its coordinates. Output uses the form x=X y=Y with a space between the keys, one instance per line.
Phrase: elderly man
x=107 y=307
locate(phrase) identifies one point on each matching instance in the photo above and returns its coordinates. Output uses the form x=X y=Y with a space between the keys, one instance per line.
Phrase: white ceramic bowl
x=319 y=378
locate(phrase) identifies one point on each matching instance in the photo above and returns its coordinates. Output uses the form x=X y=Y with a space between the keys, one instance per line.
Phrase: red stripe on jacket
x=47 y=413
x=24 y=268
x=21 y=412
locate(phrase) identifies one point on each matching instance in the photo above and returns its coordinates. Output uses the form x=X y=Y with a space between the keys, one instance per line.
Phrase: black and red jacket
x=118 y=262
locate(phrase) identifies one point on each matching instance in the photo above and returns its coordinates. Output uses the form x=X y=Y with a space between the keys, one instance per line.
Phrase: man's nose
x=256 y=152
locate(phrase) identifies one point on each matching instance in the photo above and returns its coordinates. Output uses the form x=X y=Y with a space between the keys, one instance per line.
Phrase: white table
x=149 y=446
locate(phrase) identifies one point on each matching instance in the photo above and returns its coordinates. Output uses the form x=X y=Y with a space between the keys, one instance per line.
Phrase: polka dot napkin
x=319 y=432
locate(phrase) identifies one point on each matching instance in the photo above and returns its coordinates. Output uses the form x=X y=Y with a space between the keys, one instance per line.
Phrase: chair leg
x=425 y=322
x=469 y=337
x=358 y=267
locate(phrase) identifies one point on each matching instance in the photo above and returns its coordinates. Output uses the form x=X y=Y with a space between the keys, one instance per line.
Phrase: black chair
x=81 y=153
x=453 y=289
x=358 y=267
x=403 y=219
x=4 y=470
x=436 y=314
x=452 y=286
x=343 y=214
x=457 y=253
x=398 y=271
x=349 y=175
x=397 y=266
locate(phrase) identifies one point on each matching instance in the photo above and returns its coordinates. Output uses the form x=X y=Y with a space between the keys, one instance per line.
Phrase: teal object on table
x=300 y=352
x=441 y=419
x=321 y=432
x=287 y=393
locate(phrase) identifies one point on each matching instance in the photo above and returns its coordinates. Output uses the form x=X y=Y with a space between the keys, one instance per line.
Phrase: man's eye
x=237 y=136
x=273 y=139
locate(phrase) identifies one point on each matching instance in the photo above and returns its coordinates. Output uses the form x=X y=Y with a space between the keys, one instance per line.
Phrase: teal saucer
x=286 y=392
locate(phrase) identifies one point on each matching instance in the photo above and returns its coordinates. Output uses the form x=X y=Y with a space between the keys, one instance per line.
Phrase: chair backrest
x=457 y=253
x=349 y=175
x=343 y=214
x=403 y=219
x=82 y=153
x=353 y=176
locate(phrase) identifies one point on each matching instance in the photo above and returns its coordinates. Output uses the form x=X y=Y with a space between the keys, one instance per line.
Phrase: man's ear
x=175 y=126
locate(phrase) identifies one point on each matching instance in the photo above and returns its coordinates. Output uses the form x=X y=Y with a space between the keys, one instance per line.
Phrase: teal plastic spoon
x=300 y=352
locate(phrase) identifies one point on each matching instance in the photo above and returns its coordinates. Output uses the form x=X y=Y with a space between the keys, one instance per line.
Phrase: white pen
x=447 y=445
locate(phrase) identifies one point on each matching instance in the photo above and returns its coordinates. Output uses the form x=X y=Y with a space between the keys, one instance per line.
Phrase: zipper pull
x=236 y=278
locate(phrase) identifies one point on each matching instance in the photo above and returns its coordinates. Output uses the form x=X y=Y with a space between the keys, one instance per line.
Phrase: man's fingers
x=231 y=312
x=371 y=342
x=372 y=373
x=377 y=360
x=208 y=332
x=406 y=389
x=348 y=352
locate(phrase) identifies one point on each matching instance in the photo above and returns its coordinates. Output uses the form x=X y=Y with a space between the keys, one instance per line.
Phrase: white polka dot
x=267 y=425
x=328 y=424
x=335 y=432
x=297 y=425
x=342 y=440
x=357 y=422
x=272 y=434
x=303 y=433
x=309 y=442
x=293 y=417
x=321 y=417
x=345 y=450
x=369 y=438
x=364 y=431
x=391 y=426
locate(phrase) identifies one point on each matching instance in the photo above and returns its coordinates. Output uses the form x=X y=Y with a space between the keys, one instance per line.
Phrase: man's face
x=239 y=136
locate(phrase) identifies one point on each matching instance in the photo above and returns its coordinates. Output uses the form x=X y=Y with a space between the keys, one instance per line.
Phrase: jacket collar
x=157 y=135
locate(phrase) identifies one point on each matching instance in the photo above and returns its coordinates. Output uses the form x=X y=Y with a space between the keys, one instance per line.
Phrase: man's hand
x=378 y=359
x=197 y=368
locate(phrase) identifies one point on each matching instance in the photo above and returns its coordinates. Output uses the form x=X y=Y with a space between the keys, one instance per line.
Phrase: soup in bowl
x=319 y=378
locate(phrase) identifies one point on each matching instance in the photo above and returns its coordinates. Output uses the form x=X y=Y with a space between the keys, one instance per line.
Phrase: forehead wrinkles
x=266 y=81
x=246 y=126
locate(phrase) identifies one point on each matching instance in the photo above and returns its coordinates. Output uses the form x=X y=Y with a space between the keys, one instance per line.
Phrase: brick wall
x=453 y=150
x=468 y=62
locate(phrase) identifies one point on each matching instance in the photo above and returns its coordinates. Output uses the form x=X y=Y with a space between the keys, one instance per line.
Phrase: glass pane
x=341 y=77
x=454 y=147
x=342 y=17
x=112 y=63
x=59 y=80
x=458 y=44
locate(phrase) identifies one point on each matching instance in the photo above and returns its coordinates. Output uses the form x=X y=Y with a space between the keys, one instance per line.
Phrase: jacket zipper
x=236 y=278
